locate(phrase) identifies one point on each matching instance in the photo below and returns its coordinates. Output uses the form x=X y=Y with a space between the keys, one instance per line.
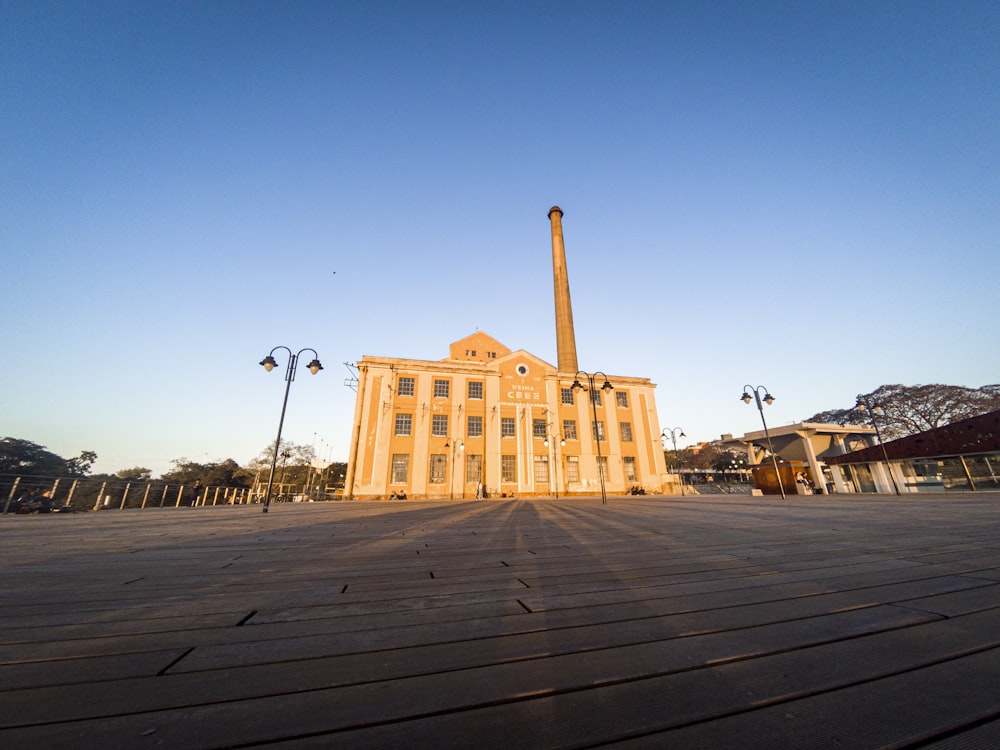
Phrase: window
x=400 y=467
x=538 y=427
x=439 y=425
x=470 y=352
x=595 y=396
x=475 y=427
x=541 y=470
x=473 y=467
x=508 y=427
x=569 y=429
x=567 y=396
x=476 y=389
x=621 y=398
x=508 y=468
x=572 y=469
x=405 y=387
x=439 y=467
x=630 y=475
x=598 y=430
x=404 y=422
x=626 y=429
x=441 y=388
x=602 y=466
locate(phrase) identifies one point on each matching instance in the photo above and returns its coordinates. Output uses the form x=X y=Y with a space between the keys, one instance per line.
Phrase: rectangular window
x=405 y=387
x=598 y=431
x=475 y=427
x=442 y=388
x=630 y=475
x=439 y=467
x=404 y=423
x=569 y=429
x=626 y=428
x=508 y=427
x=572 y=469
x=541 y=470
x=439 y=425
x=602 y=466
x=567 y=396
x=400 y=467
x=473 y=468
x=476 y=389
x=595 y=396
x=621 y=398
x=538 y=428
x=508 y=468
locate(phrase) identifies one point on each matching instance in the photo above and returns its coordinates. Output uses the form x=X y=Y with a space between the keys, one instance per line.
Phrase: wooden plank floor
x=701 y=622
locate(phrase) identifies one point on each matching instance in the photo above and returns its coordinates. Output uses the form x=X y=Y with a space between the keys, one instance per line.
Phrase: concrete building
x=805 y=447
x=490 y=419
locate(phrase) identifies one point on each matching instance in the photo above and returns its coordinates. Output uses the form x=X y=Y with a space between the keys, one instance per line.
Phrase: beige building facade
x=488 y=420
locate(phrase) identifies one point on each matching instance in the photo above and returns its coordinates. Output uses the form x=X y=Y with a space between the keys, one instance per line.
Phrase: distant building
x=487 y=419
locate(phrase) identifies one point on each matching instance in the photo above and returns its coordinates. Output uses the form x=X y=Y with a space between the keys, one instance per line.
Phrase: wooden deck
x=714 y=622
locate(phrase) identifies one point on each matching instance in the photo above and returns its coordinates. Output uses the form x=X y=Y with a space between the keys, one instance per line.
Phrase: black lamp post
x=555 y=448
x=592 y=390
x=767 y=399
x=866 y=403
x=460 y=445
x=672 y=433
x=269 y=363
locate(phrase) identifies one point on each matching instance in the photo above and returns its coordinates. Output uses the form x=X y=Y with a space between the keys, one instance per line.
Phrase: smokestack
x=565 y=337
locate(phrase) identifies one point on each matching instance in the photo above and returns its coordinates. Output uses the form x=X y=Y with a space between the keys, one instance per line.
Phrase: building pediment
x=477 y=347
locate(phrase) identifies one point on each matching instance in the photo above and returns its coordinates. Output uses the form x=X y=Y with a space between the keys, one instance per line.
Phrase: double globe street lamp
x=555 y=447
x=767 y=399
x=269 y=363
x=672 y=433
x=592 y=389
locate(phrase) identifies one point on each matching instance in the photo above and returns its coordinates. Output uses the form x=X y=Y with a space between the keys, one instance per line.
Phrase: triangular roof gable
x=522 y=354
x=524 y=378
x=477 y=347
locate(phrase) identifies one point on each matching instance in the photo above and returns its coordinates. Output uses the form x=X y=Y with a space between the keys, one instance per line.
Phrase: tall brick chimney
x=565 y=337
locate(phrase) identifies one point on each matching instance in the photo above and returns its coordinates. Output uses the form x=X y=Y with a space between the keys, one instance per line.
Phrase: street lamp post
x=269 y=363
x=460 y=445
x=672 y=433
x=592 y=390
x=555 y=448
x=768 y=399
x=866 y=403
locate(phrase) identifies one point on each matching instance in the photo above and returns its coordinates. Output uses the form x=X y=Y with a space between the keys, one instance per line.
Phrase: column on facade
x=818 y=477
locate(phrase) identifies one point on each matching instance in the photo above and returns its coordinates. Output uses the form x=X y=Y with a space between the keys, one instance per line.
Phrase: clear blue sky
x=804 y=196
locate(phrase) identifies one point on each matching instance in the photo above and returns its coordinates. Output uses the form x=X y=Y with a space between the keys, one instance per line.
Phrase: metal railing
x=19 y=494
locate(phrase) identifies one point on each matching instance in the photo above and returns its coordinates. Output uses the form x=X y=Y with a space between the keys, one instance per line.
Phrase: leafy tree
x=293 y=467
x=226 y=473
x=135 y=474
x=80 y=466
x=26 y=458
x=908 y=410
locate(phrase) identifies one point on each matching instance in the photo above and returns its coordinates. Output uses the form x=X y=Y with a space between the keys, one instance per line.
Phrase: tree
x=293 y=468
x=135 y=474
x=25 y=458
x=80 y=466
x=908 y=410
x=226 y=473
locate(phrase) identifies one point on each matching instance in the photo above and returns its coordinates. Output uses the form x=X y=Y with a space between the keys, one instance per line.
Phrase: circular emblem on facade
x=522 y=370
